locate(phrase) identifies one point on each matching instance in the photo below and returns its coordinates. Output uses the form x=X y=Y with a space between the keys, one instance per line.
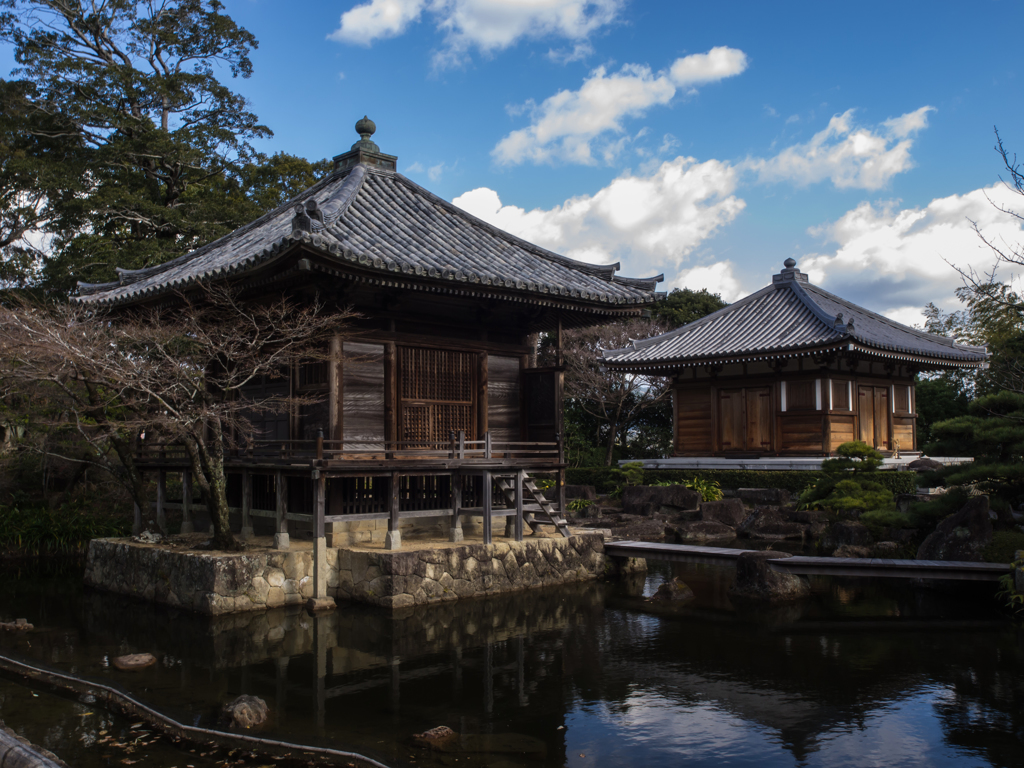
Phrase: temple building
x=793 y=370
x=435 y=392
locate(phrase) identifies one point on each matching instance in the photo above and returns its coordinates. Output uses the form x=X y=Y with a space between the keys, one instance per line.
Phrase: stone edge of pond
x=18 y=752
x=216 y=583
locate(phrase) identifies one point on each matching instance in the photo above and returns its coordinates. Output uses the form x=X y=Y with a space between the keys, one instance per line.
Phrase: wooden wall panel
x=800 y=395
x=503 y=398
x=693 y=421
x=800 y=433
x=841 y=431
x=903 y=430
x=363 y=396
x=841 y=395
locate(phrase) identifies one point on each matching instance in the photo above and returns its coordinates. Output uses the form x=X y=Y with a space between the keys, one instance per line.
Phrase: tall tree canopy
x=684 y=305
x=154 y=153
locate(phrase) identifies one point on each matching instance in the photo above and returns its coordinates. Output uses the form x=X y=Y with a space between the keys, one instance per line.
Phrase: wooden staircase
x=541 y=512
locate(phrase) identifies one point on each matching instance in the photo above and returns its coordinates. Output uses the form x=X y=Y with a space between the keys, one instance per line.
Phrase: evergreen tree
x=155 y=154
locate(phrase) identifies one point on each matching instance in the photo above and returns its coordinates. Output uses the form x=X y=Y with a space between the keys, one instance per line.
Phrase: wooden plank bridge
x=816 y=566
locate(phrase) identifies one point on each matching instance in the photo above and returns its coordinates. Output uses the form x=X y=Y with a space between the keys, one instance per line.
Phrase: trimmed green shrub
x=1004 y=546
x=607 y=479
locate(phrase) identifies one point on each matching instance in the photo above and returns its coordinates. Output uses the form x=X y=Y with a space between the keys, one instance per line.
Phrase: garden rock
x=18 y=625
x=961 y=536
x=845 y=533
x=755 y=496
x=674 y=590
x=924 y=464
x=435 y=738
x=756 y=582
x=581 y=492
x=769 y=524
x=702 y=530
x=246 y=712
x=728 y=511
x=134 y=661
x=848 y=550
x=677 y=496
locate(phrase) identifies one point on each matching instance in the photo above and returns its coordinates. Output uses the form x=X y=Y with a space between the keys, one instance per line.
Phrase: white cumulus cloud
x=848 y=155
x=486 y=25
x=897 y=260
x=719 y=277
x=566 y=125
x=651 y=223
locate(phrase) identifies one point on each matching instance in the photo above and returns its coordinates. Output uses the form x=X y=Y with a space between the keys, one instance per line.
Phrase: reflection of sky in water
x=668 y=732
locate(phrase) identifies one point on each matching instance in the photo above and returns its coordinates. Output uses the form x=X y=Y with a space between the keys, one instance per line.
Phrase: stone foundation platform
x=215 y=583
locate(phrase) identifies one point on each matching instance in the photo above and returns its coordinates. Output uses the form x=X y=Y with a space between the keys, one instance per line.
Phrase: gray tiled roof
x=790 y=316
x=379 y=220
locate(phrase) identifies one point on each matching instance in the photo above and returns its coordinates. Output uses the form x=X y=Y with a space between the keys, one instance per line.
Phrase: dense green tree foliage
x=684 y=305
x=128 y=146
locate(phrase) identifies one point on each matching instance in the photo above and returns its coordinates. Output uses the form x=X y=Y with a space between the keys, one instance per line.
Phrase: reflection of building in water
x=529 y=662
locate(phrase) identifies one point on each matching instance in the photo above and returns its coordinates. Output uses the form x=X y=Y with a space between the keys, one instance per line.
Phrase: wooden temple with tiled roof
x=432 y=406
x=793 y=370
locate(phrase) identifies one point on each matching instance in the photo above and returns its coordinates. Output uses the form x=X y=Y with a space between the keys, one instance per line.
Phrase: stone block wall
x=216 y=583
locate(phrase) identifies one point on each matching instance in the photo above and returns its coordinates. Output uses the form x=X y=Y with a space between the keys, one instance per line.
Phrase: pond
x=861 y=674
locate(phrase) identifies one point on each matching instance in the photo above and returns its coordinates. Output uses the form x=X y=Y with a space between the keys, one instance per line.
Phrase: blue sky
x=707 y=141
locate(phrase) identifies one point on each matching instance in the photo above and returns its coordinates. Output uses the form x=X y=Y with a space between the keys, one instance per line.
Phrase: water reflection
x=876 y=674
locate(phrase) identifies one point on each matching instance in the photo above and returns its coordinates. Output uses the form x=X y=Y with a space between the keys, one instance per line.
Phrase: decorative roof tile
x=789 y=317
x=378 y=219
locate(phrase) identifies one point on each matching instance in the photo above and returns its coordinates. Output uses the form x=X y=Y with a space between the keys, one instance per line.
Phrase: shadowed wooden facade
x=431 y=406
x=793 y=370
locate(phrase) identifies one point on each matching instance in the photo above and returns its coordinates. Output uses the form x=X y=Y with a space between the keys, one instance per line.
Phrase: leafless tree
x=174 y=373
x=613 y=397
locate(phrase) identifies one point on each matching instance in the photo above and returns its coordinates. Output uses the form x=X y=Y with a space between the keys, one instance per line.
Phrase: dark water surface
x=862 y=674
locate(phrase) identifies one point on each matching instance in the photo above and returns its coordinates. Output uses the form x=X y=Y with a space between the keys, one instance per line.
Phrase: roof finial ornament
x=366 y=128
x=790 y=263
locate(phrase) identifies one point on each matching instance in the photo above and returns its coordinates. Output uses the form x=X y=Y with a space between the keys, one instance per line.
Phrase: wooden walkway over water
x=816 y=566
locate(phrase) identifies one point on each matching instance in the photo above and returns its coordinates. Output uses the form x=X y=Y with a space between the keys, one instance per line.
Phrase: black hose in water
x=169 y=726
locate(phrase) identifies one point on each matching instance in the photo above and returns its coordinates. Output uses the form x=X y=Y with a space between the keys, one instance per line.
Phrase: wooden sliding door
x=874 y=415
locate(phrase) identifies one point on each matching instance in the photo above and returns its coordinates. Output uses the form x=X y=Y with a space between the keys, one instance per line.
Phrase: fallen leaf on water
x=137 y=725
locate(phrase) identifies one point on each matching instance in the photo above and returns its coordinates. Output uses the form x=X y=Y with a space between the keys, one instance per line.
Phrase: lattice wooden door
x=437 y=394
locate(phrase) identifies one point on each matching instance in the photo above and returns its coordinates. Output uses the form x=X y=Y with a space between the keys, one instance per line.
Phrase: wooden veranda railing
x=321 y=452
x=385 y=481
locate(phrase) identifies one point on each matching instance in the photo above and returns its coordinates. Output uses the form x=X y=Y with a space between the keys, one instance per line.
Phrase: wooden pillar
x=247 y=531
x=486 y=493
x=393 y=538
x=455 y=534
x=187 y=525
x=561 y=475
x=319 y=601
x=390 y=396
x=281 y=538
x=161 y=501
x=137 y=520
x=520 y=482
x=334 y=390
x=481 y=419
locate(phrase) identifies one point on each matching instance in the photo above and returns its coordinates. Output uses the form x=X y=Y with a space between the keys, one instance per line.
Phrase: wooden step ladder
x=542 y=512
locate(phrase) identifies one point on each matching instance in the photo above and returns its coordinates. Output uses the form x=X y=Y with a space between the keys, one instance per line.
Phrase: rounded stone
x=134 y=661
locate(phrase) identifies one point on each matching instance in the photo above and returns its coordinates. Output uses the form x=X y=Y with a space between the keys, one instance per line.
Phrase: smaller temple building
x=793 y=370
